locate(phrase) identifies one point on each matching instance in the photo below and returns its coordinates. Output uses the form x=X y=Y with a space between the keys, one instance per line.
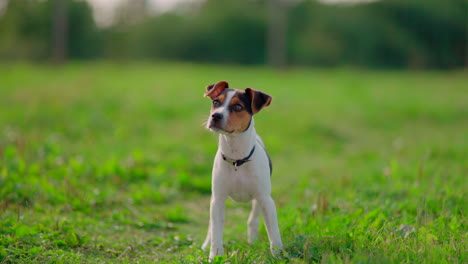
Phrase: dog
x=242 y=168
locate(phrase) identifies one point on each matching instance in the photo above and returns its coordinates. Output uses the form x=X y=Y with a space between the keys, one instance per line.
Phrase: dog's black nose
x=216 y=116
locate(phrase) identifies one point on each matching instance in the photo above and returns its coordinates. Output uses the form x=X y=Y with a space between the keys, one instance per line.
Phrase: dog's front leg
x=271 y=222
x=217 y=209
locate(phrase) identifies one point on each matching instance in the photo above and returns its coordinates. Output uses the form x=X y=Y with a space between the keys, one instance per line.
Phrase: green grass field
x=104 y=163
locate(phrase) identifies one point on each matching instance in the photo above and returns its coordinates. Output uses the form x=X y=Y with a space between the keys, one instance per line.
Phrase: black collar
x=239 y=162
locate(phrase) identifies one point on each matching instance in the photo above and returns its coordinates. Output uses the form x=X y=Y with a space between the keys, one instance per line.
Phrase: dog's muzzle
x=216 y=117
x=216 y=122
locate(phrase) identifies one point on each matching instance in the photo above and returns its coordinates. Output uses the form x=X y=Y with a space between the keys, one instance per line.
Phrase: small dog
x=242 y=167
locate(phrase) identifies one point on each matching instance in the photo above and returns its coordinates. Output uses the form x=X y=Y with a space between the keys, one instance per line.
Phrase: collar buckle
x=237 y=163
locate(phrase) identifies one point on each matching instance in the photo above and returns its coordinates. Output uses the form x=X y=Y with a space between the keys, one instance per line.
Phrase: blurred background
x=421 y=34
x=104 y=157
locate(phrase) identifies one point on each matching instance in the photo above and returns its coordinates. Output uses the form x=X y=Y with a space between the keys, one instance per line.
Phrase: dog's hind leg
x=207 y=240
x=252 y=223
x=271 y=222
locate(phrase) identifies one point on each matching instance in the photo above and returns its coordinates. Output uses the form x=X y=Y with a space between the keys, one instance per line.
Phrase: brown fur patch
x=238 y=121
x=221 y=99
x=259 y=99
x=215 y=90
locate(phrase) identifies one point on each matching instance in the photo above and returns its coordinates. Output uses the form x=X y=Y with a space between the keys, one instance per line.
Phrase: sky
x=104 y=9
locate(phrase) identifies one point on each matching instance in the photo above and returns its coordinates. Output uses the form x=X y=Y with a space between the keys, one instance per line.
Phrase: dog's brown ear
x=214 y=90
x=259 y=99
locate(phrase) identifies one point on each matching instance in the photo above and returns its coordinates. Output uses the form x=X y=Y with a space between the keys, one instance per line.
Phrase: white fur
x=224 y=108
x=250 y=182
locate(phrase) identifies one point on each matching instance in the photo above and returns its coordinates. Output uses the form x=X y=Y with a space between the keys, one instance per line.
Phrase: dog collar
x=239 y=162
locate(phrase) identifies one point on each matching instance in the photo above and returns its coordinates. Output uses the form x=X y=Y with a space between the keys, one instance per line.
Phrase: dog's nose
x=216 y=116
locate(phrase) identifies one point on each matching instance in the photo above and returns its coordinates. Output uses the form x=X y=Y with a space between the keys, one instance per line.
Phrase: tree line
x=382 y=34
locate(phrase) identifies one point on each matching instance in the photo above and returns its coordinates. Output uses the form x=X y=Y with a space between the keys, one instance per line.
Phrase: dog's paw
x=205 y=244
x=252 y=240
x=216 y=251
x=277 y=251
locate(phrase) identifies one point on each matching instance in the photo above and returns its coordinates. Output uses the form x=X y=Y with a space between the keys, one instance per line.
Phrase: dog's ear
x=214 y=90
x=259 y=99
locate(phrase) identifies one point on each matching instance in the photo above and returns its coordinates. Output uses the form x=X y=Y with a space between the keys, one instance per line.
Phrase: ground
x=110 y=163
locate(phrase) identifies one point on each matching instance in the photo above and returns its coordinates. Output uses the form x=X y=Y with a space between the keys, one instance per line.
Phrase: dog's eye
x=216 y=103
x=237 y=107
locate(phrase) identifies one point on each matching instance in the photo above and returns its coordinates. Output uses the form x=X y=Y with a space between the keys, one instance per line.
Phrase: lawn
x=110 y=163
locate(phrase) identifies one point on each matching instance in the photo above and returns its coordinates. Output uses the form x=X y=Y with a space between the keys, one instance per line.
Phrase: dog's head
x=232 y=109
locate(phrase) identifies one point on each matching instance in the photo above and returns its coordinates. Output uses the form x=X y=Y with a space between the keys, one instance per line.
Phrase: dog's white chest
x=240 y=186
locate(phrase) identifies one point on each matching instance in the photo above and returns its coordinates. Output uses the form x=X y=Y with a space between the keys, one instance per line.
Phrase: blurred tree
x=85 y=40
x=59 y=31
x=382 y=34
x=26 y=31
x=218 y=31
x=277 y=33
x=439 y=26
x=391 y=34
x=23 y=38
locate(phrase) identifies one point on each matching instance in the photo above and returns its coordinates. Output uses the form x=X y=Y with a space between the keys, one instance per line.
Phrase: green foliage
x=103 y=163
x=26 y=31
x=381 y=34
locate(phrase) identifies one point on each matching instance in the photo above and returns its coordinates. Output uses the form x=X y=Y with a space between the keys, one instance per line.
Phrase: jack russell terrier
x=242 y=167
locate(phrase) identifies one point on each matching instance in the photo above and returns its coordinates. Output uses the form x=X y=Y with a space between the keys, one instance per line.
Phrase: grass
x=104 y=163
